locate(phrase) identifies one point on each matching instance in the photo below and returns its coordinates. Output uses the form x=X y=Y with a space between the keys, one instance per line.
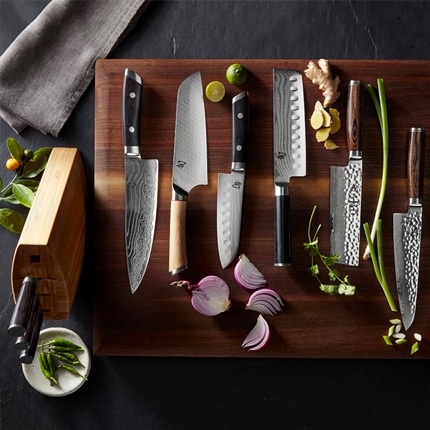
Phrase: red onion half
x=247 y=275
x=258 y=336
x=210 y=296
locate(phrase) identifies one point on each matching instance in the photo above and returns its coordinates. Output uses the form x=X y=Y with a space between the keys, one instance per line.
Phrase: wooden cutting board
x=158 y=319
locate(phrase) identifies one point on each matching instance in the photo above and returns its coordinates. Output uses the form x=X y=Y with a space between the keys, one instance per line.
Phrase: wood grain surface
x=158 y=319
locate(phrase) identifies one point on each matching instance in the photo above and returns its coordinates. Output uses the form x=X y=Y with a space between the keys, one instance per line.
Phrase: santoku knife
x=189 y=167
x=141 y=185
x=289 y=144
x=407 y=229
x=346 y=184
x=231 y=185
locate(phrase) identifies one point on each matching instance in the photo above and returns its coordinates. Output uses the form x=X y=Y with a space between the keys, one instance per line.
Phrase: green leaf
x=46 y=151
x=10 y=198
x=330 y=261
x=1 y=184
x=328 y=288
x=314 y=270
x=14 y=148
x=11 y=220
x=23 y=194
x=34 y=166
x=33 y=184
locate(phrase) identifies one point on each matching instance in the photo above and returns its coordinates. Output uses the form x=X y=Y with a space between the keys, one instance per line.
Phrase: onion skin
x=247 y=275
x=266 y=301
x=258 y=337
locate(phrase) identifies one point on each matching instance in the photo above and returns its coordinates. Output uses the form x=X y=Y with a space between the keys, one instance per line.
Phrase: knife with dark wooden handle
x=27 y=356
x=22 y=342
x=22 y=311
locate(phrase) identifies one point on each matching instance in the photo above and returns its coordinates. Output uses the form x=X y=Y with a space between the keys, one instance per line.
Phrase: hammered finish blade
x=407 y=231
x=141 y=186
x=346 y=186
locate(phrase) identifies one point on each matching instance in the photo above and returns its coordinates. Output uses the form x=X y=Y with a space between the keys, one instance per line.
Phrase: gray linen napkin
x=47 y=68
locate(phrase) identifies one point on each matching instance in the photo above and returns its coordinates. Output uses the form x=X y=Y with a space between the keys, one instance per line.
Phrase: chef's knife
x=141 y=189
x=189 y=167
x=23 y=308
x=27 y=355
x=289 y=144
x=407 y=229
x=346 y=184
x=230 y=185
x=23 y=342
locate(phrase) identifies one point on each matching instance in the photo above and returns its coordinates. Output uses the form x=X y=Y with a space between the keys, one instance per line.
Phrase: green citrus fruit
x=215 y=91
x=236 y=74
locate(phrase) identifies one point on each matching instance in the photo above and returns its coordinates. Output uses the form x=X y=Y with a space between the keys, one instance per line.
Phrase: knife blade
x=189 y=167
x=231 y=185
x=346 y=185
x=289 y=144
x=141 y=185
x=407 y=228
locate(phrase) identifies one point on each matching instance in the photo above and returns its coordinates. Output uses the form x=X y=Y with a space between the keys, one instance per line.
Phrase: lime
x=215 y=91
x=236 y=74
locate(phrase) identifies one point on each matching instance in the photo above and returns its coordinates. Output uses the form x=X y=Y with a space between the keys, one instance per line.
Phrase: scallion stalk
x=381 y=110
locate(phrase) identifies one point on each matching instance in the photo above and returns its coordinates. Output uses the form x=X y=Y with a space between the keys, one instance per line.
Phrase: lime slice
x=236 y=74
x=215 y=91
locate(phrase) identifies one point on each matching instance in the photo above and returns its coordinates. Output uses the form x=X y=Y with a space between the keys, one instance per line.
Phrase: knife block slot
x=51 y=245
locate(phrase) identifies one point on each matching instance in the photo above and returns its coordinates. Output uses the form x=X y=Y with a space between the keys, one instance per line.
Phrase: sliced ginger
x=325 y=123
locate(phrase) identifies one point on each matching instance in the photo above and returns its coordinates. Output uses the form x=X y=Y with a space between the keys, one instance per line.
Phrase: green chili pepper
x=51 y=364
x=65 y=358
x=58 y=348
x=72 y=370
x=46 y=369
x=64 y=343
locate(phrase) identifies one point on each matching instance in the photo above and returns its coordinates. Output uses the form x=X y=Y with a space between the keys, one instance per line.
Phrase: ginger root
x=320 y=74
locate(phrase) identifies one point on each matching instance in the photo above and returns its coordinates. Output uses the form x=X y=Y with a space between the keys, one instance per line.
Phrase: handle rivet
x=132 y=95
x=131 y=129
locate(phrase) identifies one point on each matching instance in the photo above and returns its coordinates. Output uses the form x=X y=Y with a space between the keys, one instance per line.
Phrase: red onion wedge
x=210 y=296
x=266 y=301
x=247 y=275
x=258 y=337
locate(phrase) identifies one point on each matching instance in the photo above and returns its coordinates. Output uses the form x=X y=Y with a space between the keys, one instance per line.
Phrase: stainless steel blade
x=189 y=164
x=141 y=186
x=231 y=186
x=229 y=215
x=407 y=230
x=289 y=145
x=190 y=150
x=346 y=186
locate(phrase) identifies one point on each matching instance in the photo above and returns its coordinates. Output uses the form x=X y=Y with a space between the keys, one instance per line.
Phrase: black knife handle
x=354 y=116
x=23 y=341
x=27 y=355
x=416 y=157
x=22 y=311
x=282 y=230
x=240 y=121
x=132 y=94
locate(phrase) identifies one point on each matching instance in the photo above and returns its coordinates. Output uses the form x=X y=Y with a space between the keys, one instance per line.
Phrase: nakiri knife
x=189 y=167
x=346 y=185
x=407 y=228
x=289 y=144
x=231 y=185
x=141 y=185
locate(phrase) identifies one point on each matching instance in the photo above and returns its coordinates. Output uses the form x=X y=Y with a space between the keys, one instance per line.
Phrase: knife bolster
x=177 y=242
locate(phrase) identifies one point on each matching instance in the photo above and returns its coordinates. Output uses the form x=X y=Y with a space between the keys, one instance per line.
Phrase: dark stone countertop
x=185 y=393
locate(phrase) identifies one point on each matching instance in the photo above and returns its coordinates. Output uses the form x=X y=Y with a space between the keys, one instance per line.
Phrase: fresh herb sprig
x=21 y=190
x=338 y=284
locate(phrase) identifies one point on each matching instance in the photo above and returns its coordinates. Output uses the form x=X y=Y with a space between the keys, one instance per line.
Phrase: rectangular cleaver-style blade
x=289 y=147
x=190 y=165
x=407 y=228
x=346 y=185
x=141 y=185
x=231 y=185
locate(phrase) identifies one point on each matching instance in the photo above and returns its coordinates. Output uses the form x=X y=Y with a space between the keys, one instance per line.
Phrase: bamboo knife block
x=51 y=245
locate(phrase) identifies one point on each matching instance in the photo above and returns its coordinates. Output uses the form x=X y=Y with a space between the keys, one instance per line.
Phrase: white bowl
x=67 y=382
